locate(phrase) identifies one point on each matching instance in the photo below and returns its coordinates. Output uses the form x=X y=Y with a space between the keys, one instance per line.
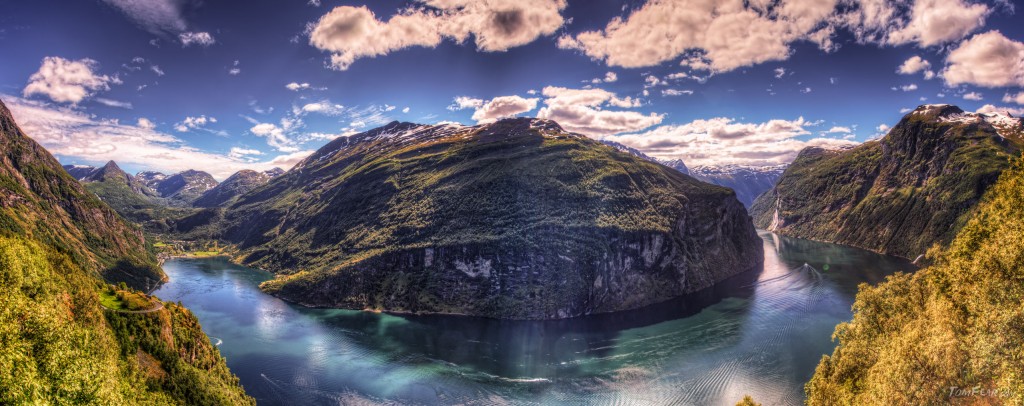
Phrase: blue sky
x=175 y=84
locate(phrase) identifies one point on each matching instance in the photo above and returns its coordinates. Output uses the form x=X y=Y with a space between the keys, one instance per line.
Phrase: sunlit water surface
x=761 y=333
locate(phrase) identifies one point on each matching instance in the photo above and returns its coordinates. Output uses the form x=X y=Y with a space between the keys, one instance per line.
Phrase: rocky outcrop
x=517 y=219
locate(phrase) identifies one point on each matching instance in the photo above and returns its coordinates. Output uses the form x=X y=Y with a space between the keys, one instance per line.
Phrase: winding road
x=159 y=306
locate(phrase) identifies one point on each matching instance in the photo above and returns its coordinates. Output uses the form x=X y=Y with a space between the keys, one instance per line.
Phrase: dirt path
x=159 y=306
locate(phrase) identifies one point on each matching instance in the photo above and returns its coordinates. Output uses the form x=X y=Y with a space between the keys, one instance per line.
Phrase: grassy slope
x=899 y=195
x=61 y=347
x=958 y=323
x=525 y=196
x=57 y=244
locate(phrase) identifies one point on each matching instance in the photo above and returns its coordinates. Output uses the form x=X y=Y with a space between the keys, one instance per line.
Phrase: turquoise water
x=760 y=333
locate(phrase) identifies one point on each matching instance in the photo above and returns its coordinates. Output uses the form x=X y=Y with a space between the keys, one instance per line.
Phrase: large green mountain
x=515 y=219
x=952 y=333
x=59 y=247
x=901 y=194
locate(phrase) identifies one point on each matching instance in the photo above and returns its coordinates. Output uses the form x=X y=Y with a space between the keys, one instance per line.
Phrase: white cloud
x=935 y=22
x=728 y=34
x=909 y=88
x=113 y=103
x=676 y=92
x=234 y=71
x=156 y=69
x=722 y=141
x=239 y=153
x=465 y=102
x=502 y=107
x=192 y=123
x=610 y=77
x=351 y=33
x=66 y=81
x=989 y=59
x=780 y=72
x=155 y=16
x=145 y=124
x=314 y=3
x=198 y=38
x=975 y=96
x=583 y=111
x=324 y=107
x=913 y=65
x=295 y=87
x=275 y=136
x=988 y=108
x=69 y=133
x=883 y=128
x=1017 y=98
x=405 y=110
x=839 y=130
x=805 y=90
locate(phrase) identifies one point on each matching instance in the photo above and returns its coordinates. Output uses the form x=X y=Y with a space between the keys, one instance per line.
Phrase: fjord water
x=760 y=333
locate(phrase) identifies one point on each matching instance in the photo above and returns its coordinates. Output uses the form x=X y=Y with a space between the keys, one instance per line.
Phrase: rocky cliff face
x=516 y=219
x=900 y=194
x=40 y=199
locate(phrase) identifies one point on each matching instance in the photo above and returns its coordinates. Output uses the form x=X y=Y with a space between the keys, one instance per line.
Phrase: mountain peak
x=110 y=171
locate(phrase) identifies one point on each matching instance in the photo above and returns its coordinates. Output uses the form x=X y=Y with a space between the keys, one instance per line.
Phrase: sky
x=220 y=86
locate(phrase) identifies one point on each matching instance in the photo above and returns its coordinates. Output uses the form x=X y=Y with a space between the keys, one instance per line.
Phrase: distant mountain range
x=150 y=197
x=747 y=181
x=915 y=187
x=515 y=219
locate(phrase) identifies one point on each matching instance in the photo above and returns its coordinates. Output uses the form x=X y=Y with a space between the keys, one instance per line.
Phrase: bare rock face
x=516 y=219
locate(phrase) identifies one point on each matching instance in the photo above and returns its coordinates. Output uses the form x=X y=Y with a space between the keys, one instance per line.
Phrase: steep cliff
x=898 y=195
x=60 y=246
x=516 y=219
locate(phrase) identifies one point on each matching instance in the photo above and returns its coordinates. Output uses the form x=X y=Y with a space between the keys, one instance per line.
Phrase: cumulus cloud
x=240 y=153
x=465 y=102
x=988 y=108
x=722 y=141
x=584 y=111
x=197 y=38
x=295 y=86
x=144 y=123
x=909 y=88
x=68 y=133
x=915 y=64
x=840 y=130
x=989 y=59
x=192 y=123
x=728 y=34
x=324 y=107
x=351 y=33
x=275 y=136
x=67 y=81
x=975 y=96
x=780 y=72
x=935 y=22
x=1014 y=98
x=502 y=107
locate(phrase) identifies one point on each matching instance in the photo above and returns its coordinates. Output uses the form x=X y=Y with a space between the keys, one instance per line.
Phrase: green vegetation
x=60 y=347
x=515 y=219
x=899 y=195
x=747 y=401
x=934 y=336
x=122 y=298
x=60 y=248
